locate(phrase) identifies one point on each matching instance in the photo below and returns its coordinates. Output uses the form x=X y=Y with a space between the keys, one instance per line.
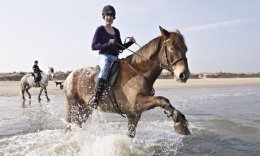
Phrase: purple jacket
x=101 y=38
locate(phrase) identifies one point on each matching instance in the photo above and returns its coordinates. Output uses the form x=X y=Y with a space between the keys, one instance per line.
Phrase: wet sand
x=207 y=83
x=12 y=88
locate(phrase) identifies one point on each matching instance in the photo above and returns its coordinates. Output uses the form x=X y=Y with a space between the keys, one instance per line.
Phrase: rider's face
x=109 y=18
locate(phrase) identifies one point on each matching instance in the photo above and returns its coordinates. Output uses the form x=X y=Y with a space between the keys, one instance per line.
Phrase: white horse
x=28 y=81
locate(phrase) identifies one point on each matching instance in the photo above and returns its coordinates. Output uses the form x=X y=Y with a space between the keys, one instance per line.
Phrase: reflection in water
x=24 y=102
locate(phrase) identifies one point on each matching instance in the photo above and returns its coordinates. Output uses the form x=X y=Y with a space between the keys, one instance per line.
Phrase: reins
x=169 y=63
x=135 y=53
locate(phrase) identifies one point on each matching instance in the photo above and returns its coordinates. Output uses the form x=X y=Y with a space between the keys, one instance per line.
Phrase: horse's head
x=173 y=56
x=51 y=73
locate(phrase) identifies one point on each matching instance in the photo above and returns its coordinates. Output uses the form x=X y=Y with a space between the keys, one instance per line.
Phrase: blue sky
x=221 y=35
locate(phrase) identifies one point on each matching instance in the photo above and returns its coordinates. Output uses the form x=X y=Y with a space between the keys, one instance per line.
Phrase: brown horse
x=133 y=88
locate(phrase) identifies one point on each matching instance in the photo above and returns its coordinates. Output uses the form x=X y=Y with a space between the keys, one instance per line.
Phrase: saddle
x=113 y=73
x=37 y=77
x=111 y=80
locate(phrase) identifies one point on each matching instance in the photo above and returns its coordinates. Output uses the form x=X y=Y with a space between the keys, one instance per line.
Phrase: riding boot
x=97 y=93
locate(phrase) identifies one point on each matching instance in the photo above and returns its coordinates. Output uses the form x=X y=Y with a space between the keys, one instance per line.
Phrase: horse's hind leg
x=39 y=96
x=77 y=111
x=84 y=111
x=46 y=94
x=23 y=90
x=27 y=91
x=132 y=123
x=70 y=104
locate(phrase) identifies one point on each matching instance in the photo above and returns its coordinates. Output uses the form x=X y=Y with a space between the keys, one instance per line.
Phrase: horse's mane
x=151 y=47
x=178 y=41
x=146 y=51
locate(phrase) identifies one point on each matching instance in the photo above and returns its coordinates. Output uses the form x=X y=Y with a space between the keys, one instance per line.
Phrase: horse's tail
x=22 y=85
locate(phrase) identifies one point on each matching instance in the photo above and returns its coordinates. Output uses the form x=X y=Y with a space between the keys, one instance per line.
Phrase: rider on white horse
x=29 y=80
x=37 y=73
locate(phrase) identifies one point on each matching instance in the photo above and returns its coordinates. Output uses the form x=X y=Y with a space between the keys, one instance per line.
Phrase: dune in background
x=12 y=88
x=10 y=82
x=60 y=75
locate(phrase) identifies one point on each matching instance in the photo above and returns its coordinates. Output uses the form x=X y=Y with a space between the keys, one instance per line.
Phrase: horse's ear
x=178 y=31
x=165 y=33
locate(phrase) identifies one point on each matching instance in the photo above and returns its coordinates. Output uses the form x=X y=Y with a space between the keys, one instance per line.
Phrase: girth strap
x=112 y=97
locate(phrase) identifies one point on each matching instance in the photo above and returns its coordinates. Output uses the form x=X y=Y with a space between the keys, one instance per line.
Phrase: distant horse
x=133 y=89
x=28 y=81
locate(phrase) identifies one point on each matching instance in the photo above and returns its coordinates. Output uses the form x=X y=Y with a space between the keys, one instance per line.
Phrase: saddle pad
x=113 y=72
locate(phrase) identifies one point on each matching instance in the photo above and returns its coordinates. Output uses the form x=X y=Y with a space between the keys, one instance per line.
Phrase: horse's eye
x=172 y=48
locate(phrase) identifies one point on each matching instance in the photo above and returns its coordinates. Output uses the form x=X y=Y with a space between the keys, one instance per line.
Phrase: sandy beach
x=12 y=88
x=218 y=82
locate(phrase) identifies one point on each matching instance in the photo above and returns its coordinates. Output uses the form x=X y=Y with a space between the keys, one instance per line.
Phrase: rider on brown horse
x=37 y=73
x=106 y=40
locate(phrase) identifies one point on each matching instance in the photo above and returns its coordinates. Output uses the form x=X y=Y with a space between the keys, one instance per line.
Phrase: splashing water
x=33 y=128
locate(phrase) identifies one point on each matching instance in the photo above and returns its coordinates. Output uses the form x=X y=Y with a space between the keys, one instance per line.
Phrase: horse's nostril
x=182 y=76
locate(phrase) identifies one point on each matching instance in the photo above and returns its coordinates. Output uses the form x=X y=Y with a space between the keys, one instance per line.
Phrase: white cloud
x=218 y=25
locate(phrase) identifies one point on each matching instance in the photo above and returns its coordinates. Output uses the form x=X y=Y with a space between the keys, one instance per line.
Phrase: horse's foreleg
x=150 y=102
x=46 y=94
x=132 y=123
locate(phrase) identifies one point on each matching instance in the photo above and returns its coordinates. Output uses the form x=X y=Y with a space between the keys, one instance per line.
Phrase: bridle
x=165 y=52
x=169 y=63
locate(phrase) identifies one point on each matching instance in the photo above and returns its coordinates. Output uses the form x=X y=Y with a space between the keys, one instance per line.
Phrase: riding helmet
x=35 y=61
x=109 y=10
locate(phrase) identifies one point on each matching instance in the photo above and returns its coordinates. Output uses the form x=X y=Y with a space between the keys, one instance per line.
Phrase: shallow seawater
x=223 y=121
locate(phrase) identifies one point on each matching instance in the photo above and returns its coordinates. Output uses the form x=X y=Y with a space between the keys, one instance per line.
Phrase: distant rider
x=37 y=72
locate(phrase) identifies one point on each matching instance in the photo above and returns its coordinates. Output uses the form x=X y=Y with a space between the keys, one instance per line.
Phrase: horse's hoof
x=48 y=100
x=181 y=128
x=131 y=134
x=68 y=129
x=93 y=103
x=131 y=131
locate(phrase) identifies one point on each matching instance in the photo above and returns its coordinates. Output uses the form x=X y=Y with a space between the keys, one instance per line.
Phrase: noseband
x=169 y=63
